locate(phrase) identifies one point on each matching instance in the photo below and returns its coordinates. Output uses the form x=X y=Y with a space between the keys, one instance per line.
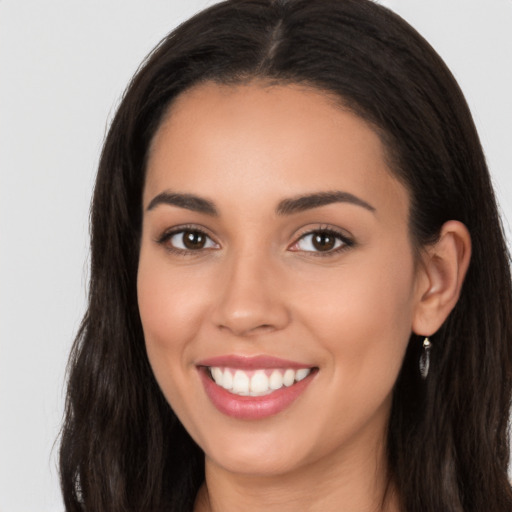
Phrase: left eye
x=191 y=240
x=320 y=241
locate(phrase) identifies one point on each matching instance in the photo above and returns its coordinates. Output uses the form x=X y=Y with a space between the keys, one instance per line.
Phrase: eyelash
x=167 y=235
x=346 y=242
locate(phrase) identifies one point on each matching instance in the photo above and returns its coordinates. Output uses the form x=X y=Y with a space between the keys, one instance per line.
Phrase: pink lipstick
x=253 y=388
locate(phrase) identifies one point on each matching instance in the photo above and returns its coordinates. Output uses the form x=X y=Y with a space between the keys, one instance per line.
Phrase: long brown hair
x=123 y=449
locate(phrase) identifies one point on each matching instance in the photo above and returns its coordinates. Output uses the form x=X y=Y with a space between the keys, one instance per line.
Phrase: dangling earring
x=425 y=358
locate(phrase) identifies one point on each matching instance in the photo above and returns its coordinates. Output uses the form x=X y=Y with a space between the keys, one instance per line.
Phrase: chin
x=255 y=455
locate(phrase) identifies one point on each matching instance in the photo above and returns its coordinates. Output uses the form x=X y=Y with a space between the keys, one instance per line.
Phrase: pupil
x=323 y=241
x=193 y=240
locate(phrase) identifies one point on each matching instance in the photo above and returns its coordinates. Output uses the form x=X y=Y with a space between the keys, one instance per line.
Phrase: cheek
x=172 y=306
x=171 y=302
x=362 y=315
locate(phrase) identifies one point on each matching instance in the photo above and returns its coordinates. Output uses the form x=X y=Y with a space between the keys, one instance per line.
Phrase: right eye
x=187 y=240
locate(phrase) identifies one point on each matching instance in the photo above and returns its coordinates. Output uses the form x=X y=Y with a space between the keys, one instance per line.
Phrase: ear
x=441 y=273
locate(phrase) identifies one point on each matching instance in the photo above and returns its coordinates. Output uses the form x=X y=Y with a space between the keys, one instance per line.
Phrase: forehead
x=272 y=141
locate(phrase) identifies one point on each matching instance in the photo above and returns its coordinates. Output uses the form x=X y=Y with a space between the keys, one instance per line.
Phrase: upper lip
x=251 y=362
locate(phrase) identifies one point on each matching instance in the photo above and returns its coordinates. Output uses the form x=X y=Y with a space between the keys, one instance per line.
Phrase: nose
x=252 y=299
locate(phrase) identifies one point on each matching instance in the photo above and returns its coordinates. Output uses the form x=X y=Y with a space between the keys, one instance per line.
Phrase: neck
x=354 y=481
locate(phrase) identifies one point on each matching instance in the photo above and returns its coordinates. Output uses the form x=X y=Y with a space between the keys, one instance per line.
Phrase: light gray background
x=63 y=67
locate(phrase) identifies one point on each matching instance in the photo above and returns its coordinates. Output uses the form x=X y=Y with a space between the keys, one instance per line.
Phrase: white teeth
x=240 y=383
x=276 y=380
x=256 y=383
x=217 y=375
x=259 y=382
x=301 y=374
x=227 y=380
x=288 y=378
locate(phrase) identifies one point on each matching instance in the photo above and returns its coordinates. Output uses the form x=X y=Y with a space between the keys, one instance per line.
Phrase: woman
x=300 y=294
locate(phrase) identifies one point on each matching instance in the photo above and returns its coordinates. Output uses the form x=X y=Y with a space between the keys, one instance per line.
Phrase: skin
x=259 y=287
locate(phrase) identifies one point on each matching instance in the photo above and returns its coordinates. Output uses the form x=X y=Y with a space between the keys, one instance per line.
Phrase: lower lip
x=252 y=407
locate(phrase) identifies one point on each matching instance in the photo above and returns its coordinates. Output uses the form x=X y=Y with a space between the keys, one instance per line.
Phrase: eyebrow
x=310 y=201
x=285 y=207
x=187 y=201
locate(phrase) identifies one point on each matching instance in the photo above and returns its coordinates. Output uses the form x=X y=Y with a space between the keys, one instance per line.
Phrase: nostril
x=246 y=308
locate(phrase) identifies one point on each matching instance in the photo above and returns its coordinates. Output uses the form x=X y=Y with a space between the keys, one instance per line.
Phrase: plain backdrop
x=63 y=67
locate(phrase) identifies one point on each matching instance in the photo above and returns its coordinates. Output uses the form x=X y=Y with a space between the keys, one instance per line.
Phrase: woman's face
x=276 y=283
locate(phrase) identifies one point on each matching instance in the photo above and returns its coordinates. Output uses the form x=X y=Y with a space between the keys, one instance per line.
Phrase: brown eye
x=193 y=240
x=323 y=241
x=189 y=240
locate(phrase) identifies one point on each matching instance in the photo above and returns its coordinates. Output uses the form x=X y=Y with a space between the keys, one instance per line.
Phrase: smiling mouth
x=257 y=382
x=254 y=388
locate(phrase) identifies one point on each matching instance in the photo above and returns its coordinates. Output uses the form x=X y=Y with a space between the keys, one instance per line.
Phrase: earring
x=425 y=358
